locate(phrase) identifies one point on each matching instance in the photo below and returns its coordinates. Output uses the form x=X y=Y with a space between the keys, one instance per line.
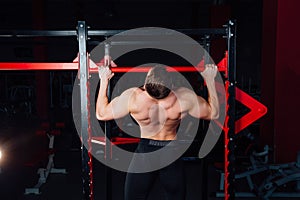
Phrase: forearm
x=102 y=100
x=213 y=98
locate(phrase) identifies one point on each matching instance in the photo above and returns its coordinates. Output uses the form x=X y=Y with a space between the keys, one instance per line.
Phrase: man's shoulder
x=133 y=89
x=183 y=90
x=133 y=92
x=184 y=94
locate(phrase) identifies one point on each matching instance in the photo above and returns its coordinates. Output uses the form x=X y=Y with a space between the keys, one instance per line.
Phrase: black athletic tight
x=171 y=177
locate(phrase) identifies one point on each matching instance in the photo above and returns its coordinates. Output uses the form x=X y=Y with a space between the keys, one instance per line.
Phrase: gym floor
x=19 y=167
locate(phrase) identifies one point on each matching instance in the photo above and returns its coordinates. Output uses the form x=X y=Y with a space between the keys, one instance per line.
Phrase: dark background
x=267 y=61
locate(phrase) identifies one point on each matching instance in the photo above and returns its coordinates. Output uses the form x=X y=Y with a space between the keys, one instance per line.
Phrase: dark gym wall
x=281 y=78
x=39 y=53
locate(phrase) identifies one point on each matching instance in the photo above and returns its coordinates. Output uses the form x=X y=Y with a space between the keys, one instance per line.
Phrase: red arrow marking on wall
x=257 y=110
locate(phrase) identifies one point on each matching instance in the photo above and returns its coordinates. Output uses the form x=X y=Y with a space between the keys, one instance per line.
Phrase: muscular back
x=159 y=114
x=158 y=118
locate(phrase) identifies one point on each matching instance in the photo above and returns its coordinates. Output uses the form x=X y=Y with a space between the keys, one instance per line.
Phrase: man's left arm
x=209 y=75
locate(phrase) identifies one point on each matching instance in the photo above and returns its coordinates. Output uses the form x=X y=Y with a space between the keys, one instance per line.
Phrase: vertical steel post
x=108 y=149
x=230 y=165
x=87 y=173
x=205 y=124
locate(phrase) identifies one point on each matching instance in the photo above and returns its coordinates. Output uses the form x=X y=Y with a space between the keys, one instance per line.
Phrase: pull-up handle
x=107 y=59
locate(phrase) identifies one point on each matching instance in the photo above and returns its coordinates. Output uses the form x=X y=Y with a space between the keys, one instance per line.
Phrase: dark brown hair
x=158 y=83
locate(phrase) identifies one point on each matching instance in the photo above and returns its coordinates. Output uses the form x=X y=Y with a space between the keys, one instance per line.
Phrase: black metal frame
x=105 y=33
x=228 y=32
x=231 y=45
x=85 y=112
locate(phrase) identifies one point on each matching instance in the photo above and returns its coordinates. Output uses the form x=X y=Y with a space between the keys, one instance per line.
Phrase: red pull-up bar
x=222 y=66
x=38 y=66
x=74 y=66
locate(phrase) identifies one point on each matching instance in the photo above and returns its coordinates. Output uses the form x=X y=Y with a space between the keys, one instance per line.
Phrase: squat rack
x=82 y=33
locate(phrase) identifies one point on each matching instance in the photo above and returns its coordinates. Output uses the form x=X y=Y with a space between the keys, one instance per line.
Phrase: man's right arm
x=198 y=106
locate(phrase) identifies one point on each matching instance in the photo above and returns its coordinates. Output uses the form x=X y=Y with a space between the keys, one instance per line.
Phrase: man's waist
x=159 y=143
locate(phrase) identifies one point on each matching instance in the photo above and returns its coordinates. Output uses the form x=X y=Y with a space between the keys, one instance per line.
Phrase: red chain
x=90 y=162
x=226 y=142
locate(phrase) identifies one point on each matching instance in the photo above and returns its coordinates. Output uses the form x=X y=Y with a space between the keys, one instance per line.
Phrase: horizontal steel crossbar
x=105 y=33
x=74 y=66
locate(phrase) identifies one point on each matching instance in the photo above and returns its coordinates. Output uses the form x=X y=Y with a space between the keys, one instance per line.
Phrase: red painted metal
x=226 y=143
x=257 y=110
x=38 y=66
x=74 y=66
x=146 y=69
x=223 y=64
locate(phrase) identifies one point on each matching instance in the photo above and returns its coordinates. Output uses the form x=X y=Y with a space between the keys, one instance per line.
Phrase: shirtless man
x=158 y=109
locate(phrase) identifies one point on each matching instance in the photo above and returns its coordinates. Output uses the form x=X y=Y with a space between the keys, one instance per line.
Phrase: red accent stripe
x=74 y=66
x=226 y=142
